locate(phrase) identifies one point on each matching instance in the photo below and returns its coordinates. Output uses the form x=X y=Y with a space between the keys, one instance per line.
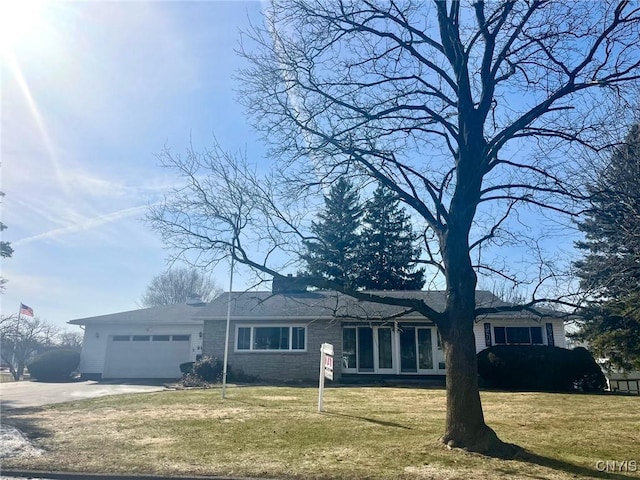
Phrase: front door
x=408 y=362
x=383 y=349
x=368 y=349
x=365 y=350
x=417 y=347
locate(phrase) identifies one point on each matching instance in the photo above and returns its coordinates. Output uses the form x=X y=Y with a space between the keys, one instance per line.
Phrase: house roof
x=282 y=306
x=178 y=313
x=326 y=304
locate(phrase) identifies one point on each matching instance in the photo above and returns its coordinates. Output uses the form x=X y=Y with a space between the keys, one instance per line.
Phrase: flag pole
x=15 y=343
x=226 y=335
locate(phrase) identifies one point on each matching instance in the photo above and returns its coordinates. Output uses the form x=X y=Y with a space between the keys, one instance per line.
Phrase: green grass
x=366 y=432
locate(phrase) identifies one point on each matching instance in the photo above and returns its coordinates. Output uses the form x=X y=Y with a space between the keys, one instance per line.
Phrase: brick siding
x=290 y=366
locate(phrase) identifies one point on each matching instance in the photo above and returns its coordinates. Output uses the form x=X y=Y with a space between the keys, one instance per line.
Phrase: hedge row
x=54 y=365
x=540 y=368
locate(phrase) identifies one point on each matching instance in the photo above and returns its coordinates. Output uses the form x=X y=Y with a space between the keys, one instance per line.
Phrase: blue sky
x=91 y=92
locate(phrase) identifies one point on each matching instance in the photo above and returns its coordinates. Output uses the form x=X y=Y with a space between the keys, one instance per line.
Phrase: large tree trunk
x=465 y=425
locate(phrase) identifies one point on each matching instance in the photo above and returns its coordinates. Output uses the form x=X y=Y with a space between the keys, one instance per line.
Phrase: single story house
x=277 y=336
x=146 y=343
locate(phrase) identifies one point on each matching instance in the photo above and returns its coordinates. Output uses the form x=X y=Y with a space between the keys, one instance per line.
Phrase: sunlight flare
x=19 y=20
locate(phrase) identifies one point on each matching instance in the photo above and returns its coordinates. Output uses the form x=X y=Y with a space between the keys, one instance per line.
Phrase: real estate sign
x=328 y=360
x=326 y=370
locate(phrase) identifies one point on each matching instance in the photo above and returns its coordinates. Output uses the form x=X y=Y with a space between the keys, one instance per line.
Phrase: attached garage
x=146 y=343
x=146 y=356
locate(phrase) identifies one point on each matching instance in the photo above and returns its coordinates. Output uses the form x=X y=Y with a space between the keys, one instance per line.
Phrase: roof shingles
x=289 y=306
x=178 y=313
x=324 y=304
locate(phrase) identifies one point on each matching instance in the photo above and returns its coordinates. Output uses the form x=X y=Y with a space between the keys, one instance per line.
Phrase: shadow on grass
x=17 y=418
x=526 y=456
x=370 y=420
x=248 y=403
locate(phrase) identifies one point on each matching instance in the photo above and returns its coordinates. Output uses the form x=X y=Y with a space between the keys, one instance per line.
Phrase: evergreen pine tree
x=611 y=265
x=610 y=269
x=333 y=254
x=388 y=246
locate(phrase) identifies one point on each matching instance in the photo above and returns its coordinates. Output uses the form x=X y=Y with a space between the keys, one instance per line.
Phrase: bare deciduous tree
x=177 y=286
x=475 y=116
x=21 y=338
x=71 y=340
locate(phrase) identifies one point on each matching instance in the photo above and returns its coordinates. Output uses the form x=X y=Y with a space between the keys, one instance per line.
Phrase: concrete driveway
x=27 y=393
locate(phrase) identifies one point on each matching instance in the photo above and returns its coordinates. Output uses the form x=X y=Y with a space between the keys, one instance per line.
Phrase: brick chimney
x=288 y=284
x=194 y=299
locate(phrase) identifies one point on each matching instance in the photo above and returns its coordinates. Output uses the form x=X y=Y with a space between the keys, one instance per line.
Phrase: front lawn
x=366 y=432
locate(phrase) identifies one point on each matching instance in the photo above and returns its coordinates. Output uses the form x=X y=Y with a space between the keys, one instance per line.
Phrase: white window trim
x=436 y=352
x=346 y=369
x=495 y=343
x=253 y=326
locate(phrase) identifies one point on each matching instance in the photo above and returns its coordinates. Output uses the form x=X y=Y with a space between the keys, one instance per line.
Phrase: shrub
x=205 y=371
x=539 y=367
x=590 y=377
x=238 y=375
x=186 y=367
x=208 y=369
x=191 y=380
x=54 y=365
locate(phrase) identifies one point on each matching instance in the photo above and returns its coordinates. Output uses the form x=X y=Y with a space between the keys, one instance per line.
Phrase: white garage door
x=146 y=356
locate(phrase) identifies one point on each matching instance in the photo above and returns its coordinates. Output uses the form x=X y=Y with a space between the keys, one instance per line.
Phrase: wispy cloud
x=87 y=184
x=112 y=83
x=84 y=225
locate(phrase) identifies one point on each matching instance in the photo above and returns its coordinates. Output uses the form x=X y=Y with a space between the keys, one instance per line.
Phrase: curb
x=108 y=476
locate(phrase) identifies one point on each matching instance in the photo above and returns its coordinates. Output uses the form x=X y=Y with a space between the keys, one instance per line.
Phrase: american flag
x=25 y=310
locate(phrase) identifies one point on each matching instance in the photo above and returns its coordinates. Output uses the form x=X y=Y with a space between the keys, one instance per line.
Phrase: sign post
x=326 y=370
